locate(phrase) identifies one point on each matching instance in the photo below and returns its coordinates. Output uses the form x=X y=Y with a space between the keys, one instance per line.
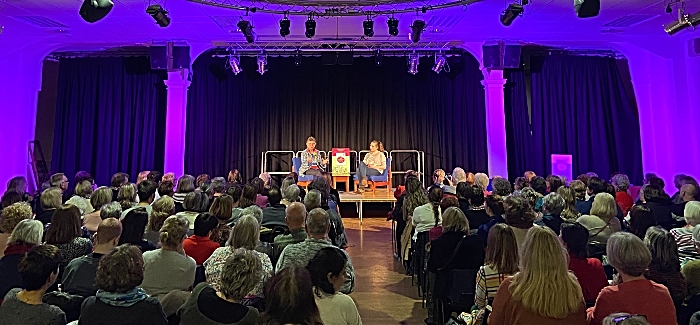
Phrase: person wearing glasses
x=311 y=161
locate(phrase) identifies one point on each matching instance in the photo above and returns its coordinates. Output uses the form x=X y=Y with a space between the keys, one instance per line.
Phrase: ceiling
x=550 y=22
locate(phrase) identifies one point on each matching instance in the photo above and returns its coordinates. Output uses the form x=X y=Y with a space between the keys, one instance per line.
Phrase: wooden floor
x=383 y=293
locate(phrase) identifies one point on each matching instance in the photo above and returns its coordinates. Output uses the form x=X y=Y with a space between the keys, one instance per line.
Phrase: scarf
x=18 y=248
x=126 y=299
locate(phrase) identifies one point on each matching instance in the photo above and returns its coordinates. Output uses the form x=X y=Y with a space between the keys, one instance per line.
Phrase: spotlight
x=262 y=64
x=94 y=10
x=247 y=29
x=310 y=27
x=413 y=59
x=587 y=8
x=159 y=14
x=393 y=26
x=378 y=58
x=235 y=64
x=416 y=30
x=669 y=9
x=284 y=27
x=297 y=59
x=684 y=21
x=440 y=62
x=513 y=11
x=368 y=26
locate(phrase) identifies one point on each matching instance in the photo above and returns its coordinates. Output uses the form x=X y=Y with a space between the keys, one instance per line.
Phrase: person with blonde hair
x=625 y=319
x=570 y=213
x=543 y=292
x=631 y=291
x=602 y=221
x=163 y=208
x=373 y=164
x=501 y=261
x=99 y=198
x=127 y=196
x=51 y=199
x=245 y=236
x=27 y=234
x=169 y=268
x=9 y=218
x=482 y=180
x=81 y=197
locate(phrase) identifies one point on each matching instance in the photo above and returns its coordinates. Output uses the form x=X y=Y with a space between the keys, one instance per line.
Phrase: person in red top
x=588 y=271
x=199 y=246
x=631 y=292
x=623 y=199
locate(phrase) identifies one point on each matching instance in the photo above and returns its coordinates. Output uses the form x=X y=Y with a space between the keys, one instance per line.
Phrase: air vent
x=40 y=21
x=444 y=21
x=611 y=31
x=630 y=20
x=227 y=21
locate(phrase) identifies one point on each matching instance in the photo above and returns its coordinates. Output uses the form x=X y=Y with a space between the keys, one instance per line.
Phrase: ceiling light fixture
x=262 y=64
x=587 y=8
x=668 y=8
x=684 y=21
x=247 y=29
x=440 y=63
x=94 y=10
x=413 y=60
x=284 y=26
x=416 y=30
x=393 y=26
x=368 y=26
x=378 y=58
x=159 y=14
x=310 y=27
x=235 y=63
x=513 y=11
x=297 y=59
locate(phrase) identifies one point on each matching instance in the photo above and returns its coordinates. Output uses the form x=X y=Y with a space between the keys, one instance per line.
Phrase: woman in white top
x=327 y=270
x=424 y=216
x=374 y=164
x=602 y=221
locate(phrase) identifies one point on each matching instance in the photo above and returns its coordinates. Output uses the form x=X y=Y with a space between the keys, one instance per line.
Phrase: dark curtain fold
x=231 y=119
x=518 y=130
x=109 y=117
x=580 y=107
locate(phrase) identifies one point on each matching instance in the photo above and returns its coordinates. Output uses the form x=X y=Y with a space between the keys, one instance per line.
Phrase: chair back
x=296 y=164
x=462 y=287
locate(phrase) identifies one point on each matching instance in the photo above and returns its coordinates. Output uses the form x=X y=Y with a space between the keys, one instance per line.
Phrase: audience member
x=428 y=215
x=539 y=184
x=688 y=193
x=691 y=274
x=199 y=246
x=552 y=207
x=683 y=236
x=50 y=201
x=81 y=197
x=529 y=296
x=162 y=209
x=501 y=186
x=79 y=275
x=476 y=212
x=169 y=268
x=553 y=182
x=601 y=223
x=26 y=235
x=665 y=266
x=655 y=199
x=520 y=183
x=295 y=219
x=569 y=213
x=18 y=185
x=9 y=218
x=631 y=291
x=101 y=197
x=166 y=188
x=261 y=191
x=415 y=197
x=39 y=271
x=117 y=181
x=119 y=298
x=482 y=180
x=127 y=196
x=245 y=236
x=290 y=195
x=290 y=299
x=185 y=186
x=317 y=227
x=589 y=271
x=327 y=270
x=622 y=197
x=625 y=319
x=9 y=198
x=520 y=216
x=273 y=214
x=191 y=205
x=65 y=232
x=221 y=209
x=595 y=186
x=496 y=211
x=500 y=262
x=133 y=226
x=641 y=218
x=240 y=273
x=146 y=196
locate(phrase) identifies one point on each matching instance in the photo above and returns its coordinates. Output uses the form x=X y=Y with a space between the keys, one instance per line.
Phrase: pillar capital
x=495 y=121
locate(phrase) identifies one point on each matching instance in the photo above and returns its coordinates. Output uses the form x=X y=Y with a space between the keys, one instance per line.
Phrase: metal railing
x=264 y=161
x=420 y=162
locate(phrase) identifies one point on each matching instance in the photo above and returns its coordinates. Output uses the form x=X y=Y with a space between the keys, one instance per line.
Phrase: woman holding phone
x=311 y=161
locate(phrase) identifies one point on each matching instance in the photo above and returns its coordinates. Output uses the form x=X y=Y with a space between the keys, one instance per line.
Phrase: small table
x=341 y=179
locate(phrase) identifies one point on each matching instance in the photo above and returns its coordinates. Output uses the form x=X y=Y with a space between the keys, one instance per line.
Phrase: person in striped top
x=501 y=262
x=684 y=236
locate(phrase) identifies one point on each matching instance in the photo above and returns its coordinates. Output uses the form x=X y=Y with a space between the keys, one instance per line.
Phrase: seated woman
x=39 y=271
x=163 y=207
x=311 y=161
x=65 y=232
x=530 y=297
x=665 y=267
x=496 y=210
x=127 y=196
x=9 y=218
x=119 y=299
x=501 y=262
x=133 y=226
x=222 y=210
x=200 y=246
x=100 y=197
x=624 y=200
x=552 y=206
x=81 y=197
x=588 y=271
x=520 y=216
x=691 y=274
x=631 y=292
x=476 y=212
x=640 y=219
x=327 y=269
x=683 y=236
x=373 y=164
x=240 y=273
x=27 y=234
x=602 y=221
x=290 y=299
x=169 y=268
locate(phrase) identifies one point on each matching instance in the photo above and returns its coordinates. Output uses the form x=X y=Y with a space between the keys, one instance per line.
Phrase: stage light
x=440 y=61
x=247 y=29
x=378 y=58
x=310 y=27
x=393 y=26
x=513 y=11
x=297 y=59
x=669 y=9
x=284 y=26
x=235 y=63
x=587 y=8
x=262 y=64
x=413 y=59
x=159 y=14
x=368 y=26
x=684 y=21
x=416 y=30
x=94 y=10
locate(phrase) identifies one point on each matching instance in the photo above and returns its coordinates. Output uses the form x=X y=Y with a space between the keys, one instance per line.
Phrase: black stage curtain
x=109 y=117
x=579 y=107
x=518 y=130
x=231 y=118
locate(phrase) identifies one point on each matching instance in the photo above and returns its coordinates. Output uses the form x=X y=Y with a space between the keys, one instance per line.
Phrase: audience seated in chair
x=295 y=219
x=665 y=266
x=589 y=271
x=133 y=226
x=27 y=234
x=290 y=299
x=65 y=232
x=501 y=261
x=496 y=211
x=222 y=210
x=552 y=207
x=640 y=219
x=476 y=211
x=623 y=199
x=146 y=191
x=100 y=198
x=9 y=218
x=691 y=274
x=327 y=270
x=199 y=246
x=290 y=194
x=273 y=214
x=520 y=216
x=50 y=201
x=185 y=185
x=601 y=223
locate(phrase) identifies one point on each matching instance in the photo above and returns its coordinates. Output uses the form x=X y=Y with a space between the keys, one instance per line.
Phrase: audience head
x=274 y=196
x=10 y=198
x=133 y=226
x=39 y=267
x=494 y=205
x=518 y=212
x=127 y=193
x=459 y=175
x=258 y=184
x=201 y=179
x=653 y=193
x=193 y=201
x=204 y=223
x=291 y=193
x=65 y=225
x=539 y=184
x=245 y=234
x=604 y=206
x=83 y=189
x=60 y=181
x=248 y=196
x=579 y=189
x=168 y=177
x=320 y=184
x=475 y=194
x=108 y=232
x=529 y=175
x=240 y=274
x=463 y=190
x=596 y=185
x=162 y=209
x=142 y=176
x=120 y=270
x=119 y=179
x=501 y=186
x=101 y=197
x=663 y=249
x=482 y=180
x=27 y=231
x=295 y=215
x=51 y=198
x=435 y=195
x=553 y=204
x=453 y=219
x=218 y=185
x=621 y=182
x=691 y=213
x=470 y=178
x=174 y=230
x=317 y=222
x=502 y=249
x=575 y=239
x=531 y=196
x=568 y=195
x=111 y=210
x=647 y=177
x=12 y=215
x=327 y=269
x=627 y=254
x=448 y=202
x=625 y=319
x=658 y=182
x=438 y=176
x=266 y=179
x=312 y=200
x=235 y=193
x=222 y=208
x=290 y=299
x=554 y=182
x=166 y=188
x=17 y=184
x=583 y=178
x=294 y=176
x=186 y=184
x=234 y=177
x=641 y=218
x=155 y=176
x=147 y=191
x=253 y=211
x=520 y=183
x=689 y=192
x=286 y=182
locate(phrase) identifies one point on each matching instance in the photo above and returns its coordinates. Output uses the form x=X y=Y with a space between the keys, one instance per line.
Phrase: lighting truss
x=338 y=46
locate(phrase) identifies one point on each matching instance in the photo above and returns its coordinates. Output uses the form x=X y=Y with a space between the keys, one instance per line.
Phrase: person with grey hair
x=312 y=200
x=630 y=290
x=218 y=186
x=683 y=235
x=290 y=194
x=458 y=176
x=501 y=186
x=624 y=200
x=625 y=319
x=552 y=206
x=59 y=180
x=111 y=210
x=482 y=180
x=317 y=226
x=27 y=234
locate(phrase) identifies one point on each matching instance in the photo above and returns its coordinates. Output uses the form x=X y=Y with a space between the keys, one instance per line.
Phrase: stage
x=381 y=195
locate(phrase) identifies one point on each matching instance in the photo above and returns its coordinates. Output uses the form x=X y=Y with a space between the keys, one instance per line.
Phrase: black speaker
x=159 y=57
x=501 y=55
x=92 y=13
x=587 y=8
x=329 y=58
x=345 y=58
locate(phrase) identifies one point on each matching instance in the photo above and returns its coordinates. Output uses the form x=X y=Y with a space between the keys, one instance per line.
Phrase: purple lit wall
x=495 y=123
x=174 y=161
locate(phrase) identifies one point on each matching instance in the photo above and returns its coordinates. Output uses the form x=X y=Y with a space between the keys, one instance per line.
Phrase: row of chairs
x=382 y=180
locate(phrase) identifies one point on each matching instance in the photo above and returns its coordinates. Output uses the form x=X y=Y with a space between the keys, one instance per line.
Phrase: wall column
x=495 y=122
x=175 y=122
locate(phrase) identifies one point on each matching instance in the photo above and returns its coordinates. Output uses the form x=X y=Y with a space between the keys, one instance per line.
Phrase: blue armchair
x=382 y=180
x=304 y=180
